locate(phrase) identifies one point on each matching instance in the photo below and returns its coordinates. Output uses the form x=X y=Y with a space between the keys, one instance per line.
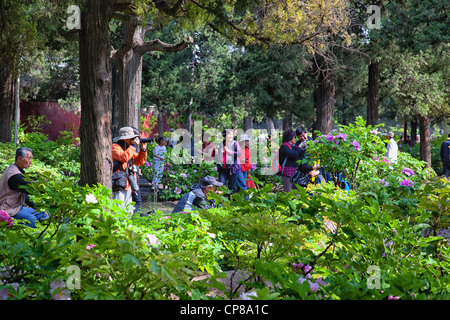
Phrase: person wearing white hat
x=392 y=148
x=125 y=155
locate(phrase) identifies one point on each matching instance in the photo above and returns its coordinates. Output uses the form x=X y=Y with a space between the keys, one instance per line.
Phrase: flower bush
x=381 y=240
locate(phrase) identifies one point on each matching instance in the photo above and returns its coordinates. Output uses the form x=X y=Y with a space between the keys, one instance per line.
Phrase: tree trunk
x=324 y=92
x=129 y=61
x=130 y=75
x=115 y=92
x=270 y=125
x=248 y=123
x=287 y=122
x=161 y=124
x=6 y=104
x=373 y=93
x=95 y=93
x=413 y=132
x=425 y=141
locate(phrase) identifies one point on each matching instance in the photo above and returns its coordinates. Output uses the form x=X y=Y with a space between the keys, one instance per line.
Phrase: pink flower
x=4 y=216
x=90 y=246
x=177 y=190
x=184 y=175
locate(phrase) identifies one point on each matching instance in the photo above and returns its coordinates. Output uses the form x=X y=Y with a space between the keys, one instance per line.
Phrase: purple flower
x=408 y=172
x=312 y=285
x=407 y=183
x=184 y=175
x=177 y=190
x=343 y=136
x=356 y=145
x=382 y=181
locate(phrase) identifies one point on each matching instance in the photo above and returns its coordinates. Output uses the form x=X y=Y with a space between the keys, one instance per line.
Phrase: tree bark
x=129 y=61
x=324 y=93
x=413 y=132
x=373 y=93
x=6 y=104
x=248 y=123
x=95 y=93
x=425 y=141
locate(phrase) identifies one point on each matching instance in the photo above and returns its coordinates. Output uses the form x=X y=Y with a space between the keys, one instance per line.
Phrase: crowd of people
x=129 y=152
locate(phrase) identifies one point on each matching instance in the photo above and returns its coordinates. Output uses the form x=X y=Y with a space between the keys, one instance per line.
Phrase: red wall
x=61 y=120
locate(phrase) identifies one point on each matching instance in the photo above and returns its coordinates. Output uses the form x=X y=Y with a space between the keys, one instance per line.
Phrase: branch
x=158 y=45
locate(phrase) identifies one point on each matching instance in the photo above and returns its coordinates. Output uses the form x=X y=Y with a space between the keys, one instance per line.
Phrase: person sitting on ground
x=197 y=197
x=14 y=199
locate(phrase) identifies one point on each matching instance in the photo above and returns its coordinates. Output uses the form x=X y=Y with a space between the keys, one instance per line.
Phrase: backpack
x=276 y=167
x=119 y=177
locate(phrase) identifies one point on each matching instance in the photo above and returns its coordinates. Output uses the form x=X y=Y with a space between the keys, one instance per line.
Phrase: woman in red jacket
x=245 y=162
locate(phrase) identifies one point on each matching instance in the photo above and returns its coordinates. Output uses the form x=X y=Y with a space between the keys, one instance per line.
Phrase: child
x=159 y=156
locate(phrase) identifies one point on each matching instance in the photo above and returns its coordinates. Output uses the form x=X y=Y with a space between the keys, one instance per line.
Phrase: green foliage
x=185 y=232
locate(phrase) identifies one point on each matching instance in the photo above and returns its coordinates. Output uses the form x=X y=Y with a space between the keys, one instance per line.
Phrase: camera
x=146 y=140
x=132 y=169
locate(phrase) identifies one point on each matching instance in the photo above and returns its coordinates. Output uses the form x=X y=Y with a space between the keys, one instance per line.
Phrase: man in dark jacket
x=445 y=156
x=196 y=198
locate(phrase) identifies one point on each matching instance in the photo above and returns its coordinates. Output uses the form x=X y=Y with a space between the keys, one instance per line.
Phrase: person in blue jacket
x=196 y=198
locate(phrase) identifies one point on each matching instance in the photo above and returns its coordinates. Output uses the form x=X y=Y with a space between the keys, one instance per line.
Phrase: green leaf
x=130 y=260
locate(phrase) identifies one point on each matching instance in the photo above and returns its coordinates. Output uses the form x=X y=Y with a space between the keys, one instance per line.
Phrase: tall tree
x=301 y=22
x=18 y=40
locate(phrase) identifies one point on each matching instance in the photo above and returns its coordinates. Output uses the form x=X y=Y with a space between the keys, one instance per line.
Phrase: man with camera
x=126 y=156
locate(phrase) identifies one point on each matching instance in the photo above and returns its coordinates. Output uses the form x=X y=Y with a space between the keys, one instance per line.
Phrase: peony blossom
x=408 y=172
x=343 y=136
x=356 y=145
x=4 y=216
x=151 y=240
x=407 y=183
x=90 y=198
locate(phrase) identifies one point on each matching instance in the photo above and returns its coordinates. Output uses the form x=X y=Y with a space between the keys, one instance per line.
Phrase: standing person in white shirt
x=159 y=153
x=392 y=148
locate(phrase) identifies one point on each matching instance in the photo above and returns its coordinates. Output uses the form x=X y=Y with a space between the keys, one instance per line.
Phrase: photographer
x=125 y=156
